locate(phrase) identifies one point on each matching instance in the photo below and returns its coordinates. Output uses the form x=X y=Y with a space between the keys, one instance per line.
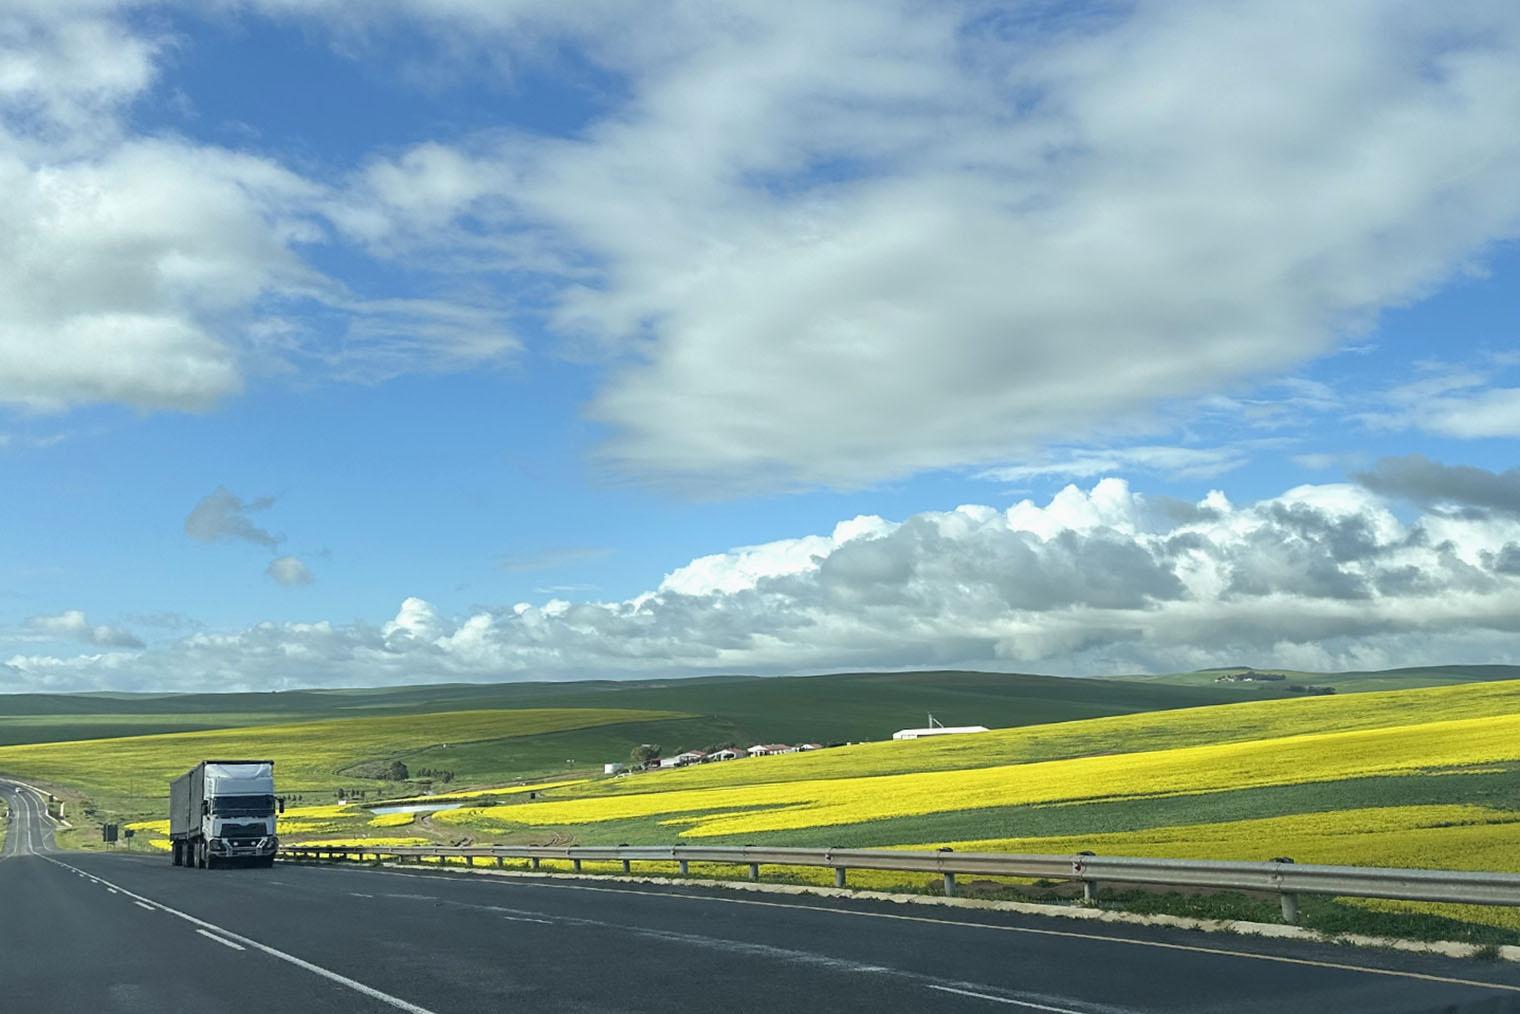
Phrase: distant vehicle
x=222 y=812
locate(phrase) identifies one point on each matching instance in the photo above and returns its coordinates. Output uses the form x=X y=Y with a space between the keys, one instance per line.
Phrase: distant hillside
x=835 y=708
x=844 y=707
x=1359 y=681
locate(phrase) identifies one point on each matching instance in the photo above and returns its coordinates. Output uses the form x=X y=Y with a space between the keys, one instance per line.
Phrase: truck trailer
x=222 y=812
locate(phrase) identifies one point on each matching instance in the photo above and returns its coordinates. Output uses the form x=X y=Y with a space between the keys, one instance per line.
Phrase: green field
x=836 y=708
x=131 y=775
x=120 y=760
x=1417 y=777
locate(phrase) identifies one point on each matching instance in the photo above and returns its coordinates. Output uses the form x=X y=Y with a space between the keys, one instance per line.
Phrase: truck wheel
x=200 y=855
x=174 y=849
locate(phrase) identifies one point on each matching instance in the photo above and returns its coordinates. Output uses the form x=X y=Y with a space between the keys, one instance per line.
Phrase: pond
x=416 y=808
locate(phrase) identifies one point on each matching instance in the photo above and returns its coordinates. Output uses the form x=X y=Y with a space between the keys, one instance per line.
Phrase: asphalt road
x=114 y=932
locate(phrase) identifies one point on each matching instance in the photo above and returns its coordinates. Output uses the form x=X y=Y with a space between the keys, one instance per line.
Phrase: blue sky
x=477 y=341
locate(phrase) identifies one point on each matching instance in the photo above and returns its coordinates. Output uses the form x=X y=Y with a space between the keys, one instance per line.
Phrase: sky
x=469 y=340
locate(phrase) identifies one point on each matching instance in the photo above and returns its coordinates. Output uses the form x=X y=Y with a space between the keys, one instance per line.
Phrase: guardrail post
x=754 y=871
x=839 y=873
x=627 y=867
x=1089 y=893
x=683 y=867
x=949 y=885
x=1288 y=899
x=575 y=864
x=533 y=862
x=501 y=862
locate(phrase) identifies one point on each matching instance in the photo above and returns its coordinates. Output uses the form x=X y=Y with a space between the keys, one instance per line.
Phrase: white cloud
x=73 y=625
x=67 y=68
x=126 y=273
x=872 y=239
x=828 y=246
x=289 y=571
x=1197 y=462
x=1490 y=413
x=1097 y=580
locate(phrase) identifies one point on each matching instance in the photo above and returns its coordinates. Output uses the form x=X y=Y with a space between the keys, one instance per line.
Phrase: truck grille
x=244 y=830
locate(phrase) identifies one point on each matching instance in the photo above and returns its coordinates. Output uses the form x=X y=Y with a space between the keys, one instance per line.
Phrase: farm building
x=937 y=730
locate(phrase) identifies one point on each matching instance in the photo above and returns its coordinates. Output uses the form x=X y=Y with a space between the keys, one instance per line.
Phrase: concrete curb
x=1278 y=931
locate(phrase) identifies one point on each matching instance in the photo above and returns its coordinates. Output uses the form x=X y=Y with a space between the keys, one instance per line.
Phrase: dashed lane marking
x=1339 y=966
x=1003 y=999
x=273 y=952
x=221 y=940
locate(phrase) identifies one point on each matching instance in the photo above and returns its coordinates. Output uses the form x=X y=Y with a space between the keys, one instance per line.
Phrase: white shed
x=938 y=730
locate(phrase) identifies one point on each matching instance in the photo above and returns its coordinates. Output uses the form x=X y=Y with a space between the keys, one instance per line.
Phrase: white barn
x=938 y=730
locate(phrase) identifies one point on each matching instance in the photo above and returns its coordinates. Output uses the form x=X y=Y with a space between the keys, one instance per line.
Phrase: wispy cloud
x=1192 y=462
x=550 y=559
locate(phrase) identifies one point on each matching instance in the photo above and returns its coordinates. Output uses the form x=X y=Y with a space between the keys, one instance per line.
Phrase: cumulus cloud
x=222 y=515
x=289 y=571
x=72 y=625
x=1093 y=580
x=1415 y=477
x=878 y=238
x=159 y=272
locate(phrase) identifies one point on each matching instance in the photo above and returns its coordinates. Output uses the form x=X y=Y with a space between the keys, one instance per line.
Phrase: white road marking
x=326 y=973
x=142 y=905
x=518 y=883
x=1004 y=999
x=221 y=940
x=356 y=894
x=110 y=890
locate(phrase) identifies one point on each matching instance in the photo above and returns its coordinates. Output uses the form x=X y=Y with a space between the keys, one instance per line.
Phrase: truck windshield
x=242 y=806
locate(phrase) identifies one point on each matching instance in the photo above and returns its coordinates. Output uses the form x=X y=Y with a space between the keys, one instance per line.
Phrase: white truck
x=222 y=812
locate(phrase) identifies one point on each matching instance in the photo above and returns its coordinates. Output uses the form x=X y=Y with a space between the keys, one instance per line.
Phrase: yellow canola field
x=1454 y=836
x=295 y=820
x=1434 y=836
x=1155 y=730
x=823 y=802
x=392 y=819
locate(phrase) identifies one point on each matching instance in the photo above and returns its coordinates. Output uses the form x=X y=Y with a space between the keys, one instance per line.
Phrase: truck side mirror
x=205 y=807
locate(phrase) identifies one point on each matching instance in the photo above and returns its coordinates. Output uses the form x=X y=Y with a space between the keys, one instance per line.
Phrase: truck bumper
x=224 y=848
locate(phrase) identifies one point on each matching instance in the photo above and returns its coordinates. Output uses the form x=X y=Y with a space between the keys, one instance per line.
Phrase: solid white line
x=1004 y=999
x=221 y=940
x=141 y=905
x=326 y=973
x=520 y=882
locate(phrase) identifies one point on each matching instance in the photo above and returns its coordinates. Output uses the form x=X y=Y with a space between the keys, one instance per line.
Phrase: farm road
x=104 y=932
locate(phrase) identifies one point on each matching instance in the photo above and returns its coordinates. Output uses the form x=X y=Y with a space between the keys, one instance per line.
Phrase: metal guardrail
x=1283 y=877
